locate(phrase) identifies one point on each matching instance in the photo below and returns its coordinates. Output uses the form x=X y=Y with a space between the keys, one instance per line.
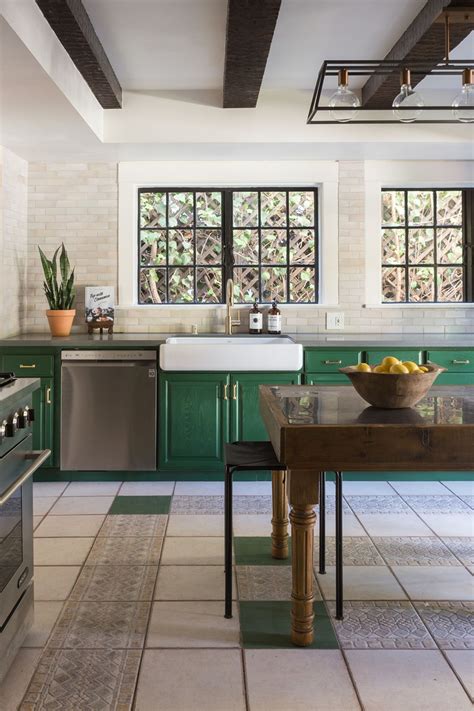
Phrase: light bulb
x=407 y=105
x=345 y=99
x=463 y=104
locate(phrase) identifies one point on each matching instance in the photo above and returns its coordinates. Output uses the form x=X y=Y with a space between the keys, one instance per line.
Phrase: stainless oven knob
x=11 y=426
x=31 y=414
x=3 y=428
x=22 y=418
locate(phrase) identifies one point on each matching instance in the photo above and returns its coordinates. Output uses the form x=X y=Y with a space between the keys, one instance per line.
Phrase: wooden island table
x=331 y=428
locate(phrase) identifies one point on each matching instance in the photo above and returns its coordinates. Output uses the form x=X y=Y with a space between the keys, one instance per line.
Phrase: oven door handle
x=39 y=458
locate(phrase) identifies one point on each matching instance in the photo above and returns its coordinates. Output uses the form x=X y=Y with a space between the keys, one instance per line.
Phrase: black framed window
x=427 y=238
x=191 y=241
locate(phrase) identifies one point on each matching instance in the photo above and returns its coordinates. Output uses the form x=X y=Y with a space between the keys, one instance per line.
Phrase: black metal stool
x=251 y=456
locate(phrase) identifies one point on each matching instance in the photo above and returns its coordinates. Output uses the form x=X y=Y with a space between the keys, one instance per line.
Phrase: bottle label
x=274 y=323
x=256 y=321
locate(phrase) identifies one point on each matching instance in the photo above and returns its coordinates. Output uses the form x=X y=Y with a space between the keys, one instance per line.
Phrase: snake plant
x=60 y=295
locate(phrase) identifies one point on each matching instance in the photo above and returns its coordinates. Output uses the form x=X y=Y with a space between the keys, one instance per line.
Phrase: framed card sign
x=100 y=303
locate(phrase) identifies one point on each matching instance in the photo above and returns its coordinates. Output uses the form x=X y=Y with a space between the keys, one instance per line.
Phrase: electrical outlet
x=334 y=321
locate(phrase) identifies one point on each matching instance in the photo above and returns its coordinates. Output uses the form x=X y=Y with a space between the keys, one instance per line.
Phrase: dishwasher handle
x=39 y=457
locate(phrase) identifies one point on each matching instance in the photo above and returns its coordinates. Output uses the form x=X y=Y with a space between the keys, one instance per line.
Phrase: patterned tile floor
x=129 y=603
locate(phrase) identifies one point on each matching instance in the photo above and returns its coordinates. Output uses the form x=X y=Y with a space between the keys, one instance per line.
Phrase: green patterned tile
x=266 y=625
x=140 y=505
x=257 y=551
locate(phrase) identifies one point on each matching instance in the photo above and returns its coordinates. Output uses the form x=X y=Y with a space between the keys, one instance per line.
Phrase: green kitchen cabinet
x=327 y=361
x=326 y=379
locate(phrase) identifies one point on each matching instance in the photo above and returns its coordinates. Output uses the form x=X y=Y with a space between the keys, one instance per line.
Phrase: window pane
x=393 y=246
x=246 y=284
x=302 y=284
x=420 y=207
x=209 y=285
x=208 y=209
x=302 y=246
x=274 y=284
x=152 y=286
x=245 y=209
x=245 y=246
x=273 y=246
x=208 y=247
x=393 y=284
x=450 y=249
x=273 y=209
x=421 y=246
x=180 y=247
x=449 y=207
x=180 y=210
x=152 y=209
x=181 y=285
x=152 y=247
x=421 y=284
x=393 y=207
x=301 y=209
x=450 y=284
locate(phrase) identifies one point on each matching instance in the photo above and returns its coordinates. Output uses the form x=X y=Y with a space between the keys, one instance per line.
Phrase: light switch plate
x=334 y=321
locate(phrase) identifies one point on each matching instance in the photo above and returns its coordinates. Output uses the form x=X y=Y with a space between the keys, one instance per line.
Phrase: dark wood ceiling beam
x=249 y=34
x=71 y=23
x=422 y=40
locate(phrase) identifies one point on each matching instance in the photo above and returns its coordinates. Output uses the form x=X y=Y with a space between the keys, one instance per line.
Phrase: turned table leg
x=303 y=496
x=280 y=515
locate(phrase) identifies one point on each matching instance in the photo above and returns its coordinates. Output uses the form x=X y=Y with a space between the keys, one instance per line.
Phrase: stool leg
x=322 y=523
x=228 y=541
x=339 y=553
x=280 y=515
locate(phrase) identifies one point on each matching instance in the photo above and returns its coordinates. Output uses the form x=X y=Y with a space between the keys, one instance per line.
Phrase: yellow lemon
x=416 y=372
x=388 y=361
x=399 y=369
x=381 y=369
x=411 y=365
x=364 y=368
x=424 y=369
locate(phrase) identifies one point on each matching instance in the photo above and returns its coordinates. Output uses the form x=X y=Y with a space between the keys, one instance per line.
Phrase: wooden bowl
x=391 y=391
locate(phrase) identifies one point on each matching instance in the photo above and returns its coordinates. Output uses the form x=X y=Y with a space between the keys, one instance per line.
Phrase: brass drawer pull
x=48 y=396
x=332 y=362
x=234 y=392
x=225 y=391
x=461 y=362
x=22 y=365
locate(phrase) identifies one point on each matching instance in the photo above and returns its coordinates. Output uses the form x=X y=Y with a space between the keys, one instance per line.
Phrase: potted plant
x=60 y=296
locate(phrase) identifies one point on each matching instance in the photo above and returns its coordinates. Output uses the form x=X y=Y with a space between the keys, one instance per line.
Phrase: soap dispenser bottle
x=255 y=319
x=274 y=319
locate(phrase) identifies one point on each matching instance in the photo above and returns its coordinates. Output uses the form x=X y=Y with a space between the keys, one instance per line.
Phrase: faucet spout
x=229 y=303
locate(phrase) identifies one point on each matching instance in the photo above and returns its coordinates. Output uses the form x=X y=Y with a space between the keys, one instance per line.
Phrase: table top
x=330 y=405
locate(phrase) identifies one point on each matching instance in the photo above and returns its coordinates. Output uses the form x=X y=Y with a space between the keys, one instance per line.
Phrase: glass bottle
x=255 y=319
x=274 y=319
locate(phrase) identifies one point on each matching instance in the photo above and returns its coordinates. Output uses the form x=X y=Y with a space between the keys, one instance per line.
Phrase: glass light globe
x=463 y=104
x=410 y=103
x=345 y=99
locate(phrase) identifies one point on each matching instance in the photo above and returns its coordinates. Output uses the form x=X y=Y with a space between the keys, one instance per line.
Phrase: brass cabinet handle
x=48 y=396
x=332 y=362
x=225 y=391
x=234 y=392
x=22 y=365
x=461 y=362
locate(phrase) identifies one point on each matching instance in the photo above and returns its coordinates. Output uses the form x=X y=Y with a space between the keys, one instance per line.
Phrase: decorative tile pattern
x=101 y=625
x=357 y=550
x=125 y=551
x=377 y=504
x=68 y=680
x=115 y=583
x=462 y=547
x=146 y=525
x=414 y=550
x=381 y=625
x=197 y=505
x=468 y=499
x=450 y=623
x=331 y=505
x=264 y=582
x=253 y=505
x=437 y=504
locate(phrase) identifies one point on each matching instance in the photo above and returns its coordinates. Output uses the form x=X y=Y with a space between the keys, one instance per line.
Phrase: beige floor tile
x=362 y=582
x=366 y=488
x=67 y=506
x=78 y=526
x=61 y=551
x=252 y=525
x=54 y=582
x=300 y=680
x=395 y=680
x=199 y=488
x=14 y=685
x=419 y=488
x=435 y=582
x=191 y=680
x=461 y=488
x=43 y=504
x=252 y=488
x=93 y=488
x=192 y=624
x=46 y=614
x=147 y=488
x=450 y=524
x=193 y=551
x=196 y=525
x=36 y=521
x=49 y=488
x=462 y=662
x=394 y=525
x=198 y=582
x=350 y=526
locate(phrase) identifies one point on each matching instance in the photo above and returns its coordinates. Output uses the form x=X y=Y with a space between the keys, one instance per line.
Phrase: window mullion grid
x=435 y=245
x=227 y=226
x=407 y=259
x=167 y=269
x=288 y=294
x=316 y=247
x=194 y=233
x=259 y=256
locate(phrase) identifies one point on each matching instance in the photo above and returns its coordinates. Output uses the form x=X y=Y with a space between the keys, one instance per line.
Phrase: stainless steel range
x=18 y=462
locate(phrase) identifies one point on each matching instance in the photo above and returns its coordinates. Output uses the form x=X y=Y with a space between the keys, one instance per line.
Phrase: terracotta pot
x=60 y=322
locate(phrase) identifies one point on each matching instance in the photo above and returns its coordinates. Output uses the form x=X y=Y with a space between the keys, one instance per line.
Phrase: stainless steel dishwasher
x=108 y=410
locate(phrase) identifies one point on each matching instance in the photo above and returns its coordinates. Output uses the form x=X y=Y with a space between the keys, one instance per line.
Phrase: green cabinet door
x=246 y=421
x=326 y=379
x=193 y=421
x=47 y=395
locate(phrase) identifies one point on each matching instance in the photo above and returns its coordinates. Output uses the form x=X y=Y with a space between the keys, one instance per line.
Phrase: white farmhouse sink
x=231 y=353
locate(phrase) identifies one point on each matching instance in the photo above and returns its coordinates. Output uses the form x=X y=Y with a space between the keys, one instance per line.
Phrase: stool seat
x=252 y=455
